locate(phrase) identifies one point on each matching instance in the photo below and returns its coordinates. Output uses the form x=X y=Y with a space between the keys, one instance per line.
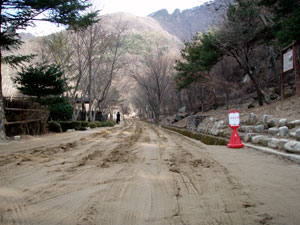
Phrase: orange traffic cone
x=235 y=140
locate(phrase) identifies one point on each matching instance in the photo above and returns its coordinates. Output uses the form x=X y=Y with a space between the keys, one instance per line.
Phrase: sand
x=136 y=174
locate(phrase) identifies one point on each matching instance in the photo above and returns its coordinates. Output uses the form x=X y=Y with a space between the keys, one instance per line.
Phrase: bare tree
x=154 y=79
x=91 y=59
x=110 y=62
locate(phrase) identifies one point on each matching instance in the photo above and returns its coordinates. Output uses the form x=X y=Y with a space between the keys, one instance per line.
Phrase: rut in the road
x=130 y=174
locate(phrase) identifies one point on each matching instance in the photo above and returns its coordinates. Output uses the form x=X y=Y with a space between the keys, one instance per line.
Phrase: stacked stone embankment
x=268 y=131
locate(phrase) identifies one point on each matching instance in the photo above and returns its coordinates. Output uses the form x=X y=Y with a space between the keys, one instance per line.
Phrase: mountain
x=184 y=24
x=26 y=36
x=141 y=26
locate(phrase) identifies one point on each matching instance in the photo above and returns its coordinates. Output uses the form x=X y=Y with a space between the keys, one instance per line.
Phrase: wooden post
x=296 y=67
x=282 y=78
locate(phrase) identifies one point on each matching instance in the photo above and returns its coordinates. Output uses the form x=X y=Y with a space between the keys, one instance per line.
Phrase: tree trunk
x=2 y=115
x=227 y=100
x=156 y=115
x=202 y=99
x=260 y=94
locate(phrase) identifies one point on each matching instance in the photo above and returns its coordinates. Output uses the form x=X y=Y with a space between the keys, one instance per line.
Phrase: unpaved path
x=136 y=174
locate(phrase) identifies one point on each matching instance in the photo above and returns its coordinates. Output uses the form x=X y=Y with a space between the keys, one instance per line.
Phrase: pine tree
x=286 y=26
x=41 y=81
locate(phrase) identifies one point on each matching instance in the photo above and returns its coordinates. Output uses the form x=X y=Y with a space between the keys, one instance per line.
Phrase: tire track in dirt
x=94 y=155
x=197 y=173
x=132 y=174
x=54 y=189
x=11 y=203
x=134 y=188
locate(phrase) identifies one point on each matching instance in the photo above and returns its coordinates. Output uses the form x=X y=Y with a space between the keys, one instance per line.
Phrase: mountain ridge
x=186 y=23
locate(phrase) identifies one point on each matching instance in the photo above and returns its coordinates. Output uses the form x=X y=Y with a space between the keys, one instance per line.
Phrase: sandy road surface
x=136 y=174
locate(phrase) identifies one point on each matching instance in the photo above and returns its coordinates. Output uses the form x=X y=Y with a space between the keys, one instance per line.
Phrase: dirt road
x=136 y=174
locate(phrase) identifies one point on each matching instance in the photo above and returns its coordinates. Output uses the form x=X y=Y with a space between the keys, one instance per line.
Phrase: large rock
x=252 y=119
x=181 y=114
x=266 y=119
x=293 y=124
x=194 y=121
x=247 y=129
x=220 y=124
x=297 y=134
x=182 y=110
x=282 y=122
x=259 y=128
x=292 y=146
x=273 y=122
x=256 y=139
x=281 y=143
x=248 y=136
x=273 y=143
x=264 y=141
x=273 y=131
x=283 y=131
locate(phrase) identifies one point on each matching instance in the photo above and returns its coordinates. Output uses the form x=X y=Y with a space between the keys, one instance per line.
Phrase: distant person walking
x=118 y=117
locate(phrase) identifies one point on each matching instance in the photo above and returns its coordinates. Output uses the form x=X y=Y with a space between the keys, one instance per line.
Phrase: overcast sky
x=135 y=7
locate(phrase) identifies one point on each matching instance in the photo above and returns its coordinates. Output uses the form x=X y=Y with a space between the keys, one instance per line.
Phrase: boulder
x=178 y=118
x=273 y=94
x=273 y=131
x=282 y=122
x=70 y=130
x=256 y=139
x=293 y=147
x=297 y=133
x=273 y=143
x=259 y=128
x=220 y=124
x=273 y=122
x=253 y=104
x=194 y=121
x=293 y=124
x=264 y=141
x=283 y=131
x=247 y=129
x=182 y=110
x=266 y=119
x=252 y=119
x=248 y=136
x=281 y=143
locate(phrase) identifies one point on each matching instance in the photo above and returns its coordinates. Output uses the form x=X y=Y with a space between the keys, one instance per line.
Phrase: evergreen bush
x=92 y=125
x=66 y=125
x=54 y=127
x=84 y=123
x=60 y=108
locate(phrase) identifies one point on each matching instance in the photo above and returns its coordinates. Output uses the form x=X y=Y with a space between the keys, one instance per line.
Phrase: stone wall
x=276 y=133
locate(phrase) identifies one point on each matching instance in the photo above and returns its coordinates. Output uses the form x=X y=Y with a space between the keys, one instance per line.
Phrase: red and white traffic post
x=234 y=123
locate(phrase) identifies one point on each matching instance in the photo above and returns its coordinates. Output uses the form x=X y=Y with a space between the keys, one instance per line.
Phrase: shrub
x=54 y=127
x=65 y=125
x=92 y=125
x=108 y=123
x=84 y=123
x=98 y=123
x=60 y=108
